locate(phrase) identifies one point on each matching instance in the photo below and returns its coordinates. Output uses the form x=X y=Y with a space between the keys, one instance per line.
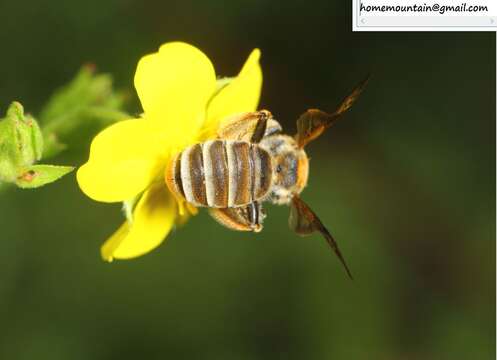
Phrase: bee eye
x=278 y=168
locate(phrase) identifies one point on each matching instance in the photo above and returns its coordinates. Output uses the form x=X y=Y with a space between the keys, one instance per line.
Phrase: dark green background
x=406 y=183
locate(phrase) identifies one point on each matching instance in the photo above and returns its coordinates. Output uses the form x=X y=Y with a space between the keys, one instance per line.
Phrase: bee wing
x=313 y=122
x=304 y=222
x=250 y=126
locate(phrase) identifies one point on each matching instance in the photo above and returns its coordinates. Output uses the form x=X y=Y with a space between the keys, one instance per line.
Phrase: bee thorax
x=290 y=168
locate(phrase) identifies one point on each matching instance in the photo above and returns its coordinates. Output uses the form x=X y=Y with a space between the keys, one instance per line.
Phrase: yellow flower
x=183 y=104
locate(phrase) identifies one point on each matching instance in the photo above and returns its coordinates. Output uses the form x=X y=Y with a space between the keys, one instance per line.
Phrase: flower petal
x=124 y=160
x=174 y=86
x=240 y=95
x=153 y=218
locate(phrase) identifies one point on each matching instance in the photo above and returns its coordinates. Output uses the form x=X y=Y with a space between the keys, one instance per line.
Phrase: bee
x=252 y=161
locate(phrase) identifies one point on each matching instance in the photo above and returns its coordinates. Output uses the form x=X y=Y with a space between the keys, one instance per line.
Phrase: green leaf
x=39 y=175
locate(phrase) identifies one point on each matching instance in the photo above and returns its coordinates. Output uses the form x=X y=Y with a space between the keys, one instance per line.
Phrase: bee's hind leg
x=245 y=218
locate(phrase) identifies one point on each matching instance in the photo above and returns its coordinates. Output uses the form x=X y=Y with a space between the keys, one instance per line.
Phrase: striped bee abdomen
x=220 y=174
x=240 y=175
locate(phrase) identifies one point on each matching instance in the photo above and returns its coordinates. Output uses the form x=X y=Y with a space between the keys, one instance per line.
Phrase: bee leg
x=245 y=218
x=260 y=127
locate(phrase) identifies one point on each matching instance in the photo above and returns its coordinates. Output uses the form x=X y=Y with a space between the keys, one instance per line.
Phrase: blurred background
x=406 y=183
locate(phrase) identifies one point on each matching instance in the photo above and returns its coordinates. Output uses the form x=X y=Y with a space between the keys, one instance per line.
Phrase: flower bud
x=21 y=142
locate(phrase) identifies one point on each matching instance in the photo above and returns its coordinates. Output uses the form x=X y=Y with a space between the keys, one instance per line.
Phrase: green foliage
x=39 y=175
x=88 y=101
